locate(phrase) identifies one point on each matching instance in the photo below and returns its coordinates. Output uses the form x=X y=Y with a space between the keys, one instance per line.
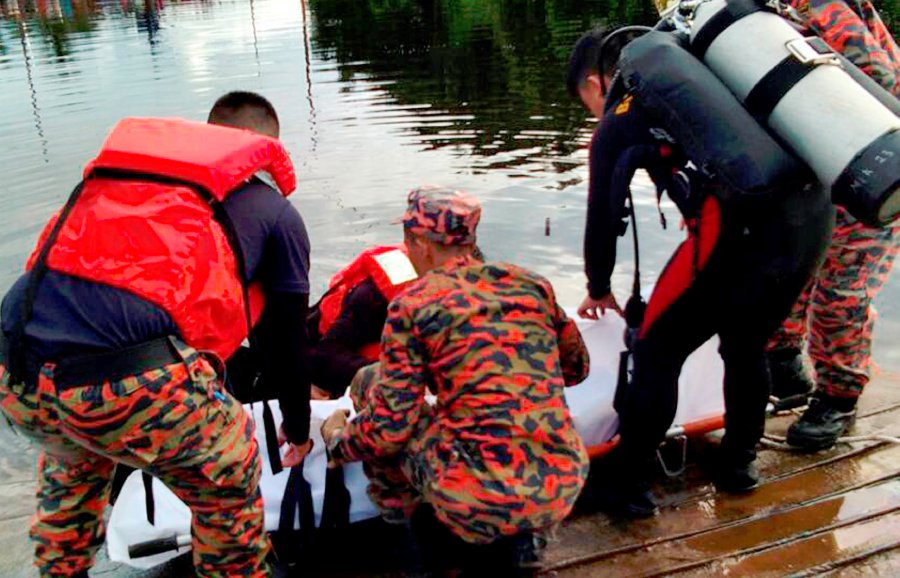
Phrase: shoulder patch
x=624 y=106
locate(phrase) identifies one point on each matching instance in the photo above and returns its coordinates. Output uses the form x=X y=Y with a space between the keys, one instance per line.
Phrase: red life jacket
x=388 y=267
x=144 y=222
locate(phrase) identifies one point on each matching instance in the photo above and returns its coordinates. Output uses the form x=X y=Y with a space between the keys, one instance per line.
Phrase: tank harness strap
x=221 y=216
x=17 y=361
x=336 y=503
x=735 y=10
x=776 y=83
x=149 y=502
x=876 y=165
x=297 y=499
x=628 y=162
x=271 y=438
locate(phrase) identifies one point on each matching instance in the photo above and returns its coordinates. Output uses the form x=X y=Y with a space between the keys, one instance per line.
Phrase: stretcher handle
x=158 y=546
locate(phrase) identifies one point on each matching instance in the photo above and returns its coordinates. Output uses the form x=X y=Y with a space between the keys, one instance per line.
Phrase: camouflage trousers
x=392 y=485
x=464 y=500
x=834 y=314
x=172 y=422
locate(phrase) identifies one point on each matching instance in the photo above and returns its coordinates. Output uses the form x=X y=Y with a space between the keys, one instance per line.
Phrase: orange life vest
x=144 y=220
x=390 y=270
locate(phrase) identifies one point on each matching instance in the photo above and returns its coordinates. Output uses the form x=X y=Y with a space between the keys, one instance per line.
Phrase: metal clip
x=786 y=11
x=682 y=14
x=679 y=469
x=811 y=51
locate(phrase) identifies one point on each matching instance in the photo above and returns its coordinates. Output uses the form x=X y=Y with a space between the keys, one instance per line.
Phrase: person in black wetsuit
x=736 y=276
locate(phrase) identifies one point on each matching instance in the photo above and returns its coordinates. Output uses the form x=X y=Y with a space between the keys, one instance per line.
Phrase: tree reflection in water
x=492 y=67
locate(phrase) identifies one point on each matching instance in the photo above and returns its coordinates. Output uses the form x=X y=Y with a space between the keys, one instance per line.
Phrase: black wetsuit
x=736 y=276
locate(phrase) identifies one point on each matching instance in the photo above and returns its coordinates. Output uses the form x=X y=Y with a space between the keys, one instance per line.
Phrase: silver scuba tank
x=800 y=89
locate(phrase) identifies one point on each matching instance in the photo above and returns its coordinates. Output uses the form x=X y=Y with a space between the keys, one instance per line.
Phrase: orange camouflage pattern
x=497 y=454
x=861 y=37
x=444 y=215
x=834 y=314
x=173 y=422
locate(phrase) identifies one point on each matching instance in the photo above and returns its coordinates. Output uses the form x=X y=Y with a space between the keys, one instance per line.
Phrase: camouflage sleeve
x=573 y=354
x=385 y=424
x=865 y=41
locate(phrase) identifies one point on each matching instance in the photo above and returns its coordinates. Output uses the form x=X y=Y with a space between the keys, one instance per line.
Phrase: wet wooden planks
x=835 y=513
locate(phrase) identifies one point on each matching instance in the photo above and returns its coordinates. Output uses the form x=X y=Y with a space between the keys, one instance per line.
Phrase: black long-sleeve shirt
x=622 y=127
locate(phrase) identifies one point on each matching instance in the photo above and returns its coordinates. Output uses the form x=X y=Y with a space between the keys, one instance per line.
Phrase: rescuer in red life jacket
x=345 y=325
x=154 y=271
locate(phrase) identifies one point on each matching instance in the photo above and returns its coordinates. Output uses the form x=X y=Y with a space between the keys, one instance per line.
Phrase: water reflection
x=375 y=96
x=147 y=19
x=488 y=73
x=56 y=20
x=29 y=74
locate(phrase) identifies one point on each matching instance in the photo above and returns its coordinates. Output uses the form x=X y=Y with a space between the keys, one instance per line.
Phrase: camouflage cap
x=443 y=215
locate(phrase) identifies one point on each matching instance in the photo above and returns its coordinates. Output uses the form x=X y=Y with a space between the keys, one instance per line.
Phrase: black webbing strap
x=114 y=365
x=149 y=503
x=17 y=360
x=772 y=87
x=297 y=499
x=271 y=439
x=734 y=11
x=626 y=165
x=336 y=503
x=224 y=219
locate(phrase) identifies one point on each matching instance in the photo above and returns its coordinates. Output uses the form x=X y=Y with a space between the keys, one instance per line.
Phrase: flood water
x=375 y=97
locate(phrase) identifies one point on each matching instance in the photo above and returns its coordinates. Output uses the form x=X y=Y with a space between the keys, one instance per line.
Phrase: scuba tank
x=801 y=90
x=715 y=131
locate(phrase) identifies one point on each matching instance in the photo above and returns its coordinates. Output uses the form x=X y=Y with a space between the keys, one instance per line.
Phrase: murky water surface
x=375 y=97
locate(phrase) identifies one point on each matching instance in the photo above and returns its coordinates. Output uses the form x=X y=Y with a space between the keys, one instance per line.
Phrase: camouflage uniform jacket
x=861 y=36
x=491 y=343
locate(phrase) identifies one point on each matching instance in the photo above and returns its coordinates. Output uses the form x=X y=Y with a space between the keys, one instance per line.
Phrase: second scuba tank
x=799 y=88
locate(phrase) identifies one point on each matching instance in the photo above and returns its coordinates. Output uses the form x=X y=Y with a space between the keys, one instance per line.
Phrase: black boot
x=791 y=382
x=622 y=487
x=735 y=477
x=411 y=553
x=824 y=421
x=734 y=470
x=516 y=556
x=433 y=547
x=521 y=553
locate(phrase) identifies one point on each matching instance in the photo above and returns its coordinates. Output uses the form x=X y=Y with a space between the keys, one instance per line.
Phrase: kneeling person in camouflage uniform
x=497 y=456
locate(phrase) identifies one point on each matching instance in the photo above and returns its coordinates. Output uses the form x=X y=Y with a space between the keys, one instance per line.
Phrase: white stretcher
x=700 y=409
